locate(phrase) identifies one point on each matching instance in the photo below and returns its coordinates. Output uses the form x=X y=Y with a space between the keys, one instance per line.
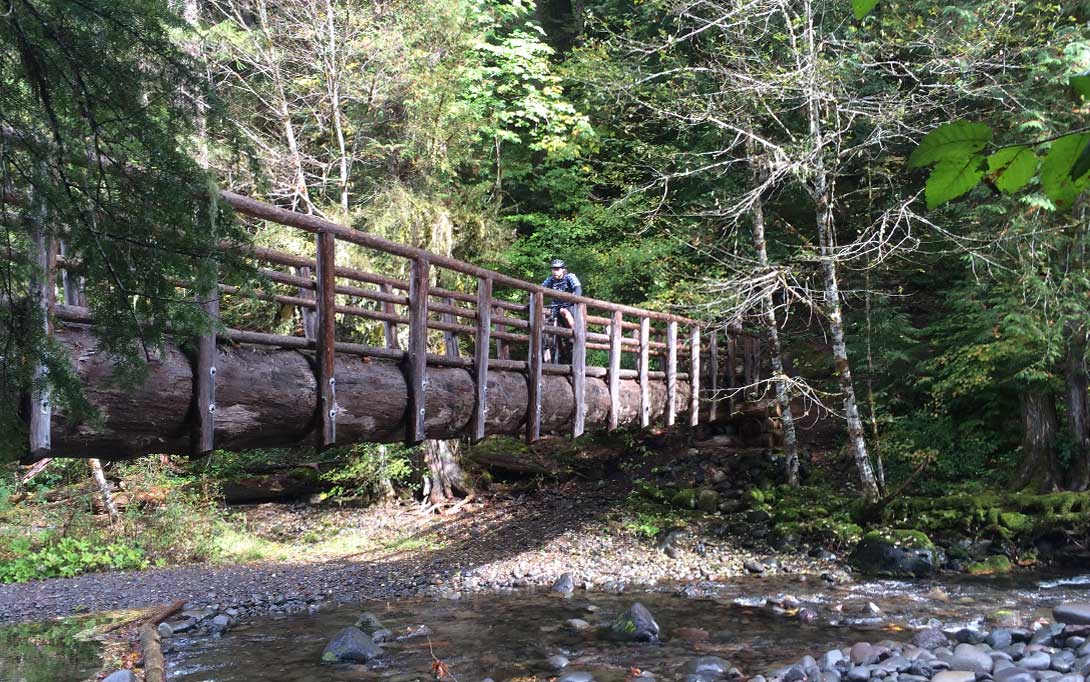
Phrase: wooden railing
x=624 y=331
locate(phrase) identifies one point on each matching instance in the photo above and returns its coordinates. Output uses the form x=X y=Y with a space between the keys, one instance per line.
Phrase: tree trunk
x=1078 y=411
x=768 y=315
x=103 y=487
x=822 y=194
x=1039 y=469
x=444 y=478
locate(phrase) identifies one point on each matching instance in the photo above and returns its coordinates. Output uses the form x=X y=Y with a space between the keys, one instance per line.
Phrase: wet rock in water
x=871 y=609
x=120 y=676
x=369 y=623
x=895 y=554
x=709 y=666
x=557 y=662
x=351 y=645
x=578 y=624
x=1072 y=613
x=576 y=676
x=754 y=566
x=184 y=625
x=164 y=630
x=383 y=635
x=929 y=639
x=807 y=616
x=564 y=585
x=637 y=624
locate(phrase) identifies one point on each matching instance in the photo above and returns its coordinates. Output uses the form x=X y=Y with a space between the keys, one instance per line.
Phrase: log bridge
x=238 y=389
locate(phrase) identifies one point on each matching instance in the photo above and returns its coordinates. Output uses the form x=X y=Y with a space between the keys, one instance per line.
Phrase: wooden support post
x=694 y=376
x=326 y=341
x=645 y=366
x=671 y=373
x=205 y=376
x=450 y=339
x=534 y=351
x=418 y=348
x=615 y=370
x=713 y=374
x=389 y=329
x=579 y=368
x=42 y=294
x=480 y=356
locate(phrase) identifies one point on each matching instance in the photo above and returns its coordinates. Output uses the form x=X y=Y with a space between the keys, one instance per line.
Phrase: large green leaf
x=1012 y=168
x=1080 y=83
x=950 y=178
x=1064 y=158
x=957 y=140
x=1082 y=164
x=862 y=8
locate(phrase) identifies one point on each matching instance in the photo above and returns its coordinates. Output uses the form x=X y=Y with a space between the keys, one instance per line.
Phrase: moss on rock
x=991 y=566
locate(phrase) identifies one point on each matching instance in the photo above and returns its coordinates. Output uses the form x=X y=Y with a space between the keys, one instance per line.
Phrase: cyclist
x=562 y=280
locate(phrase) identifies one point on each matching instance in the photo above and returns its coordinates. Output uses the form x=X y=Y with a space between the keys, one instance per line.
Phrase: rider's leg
x=568 y=317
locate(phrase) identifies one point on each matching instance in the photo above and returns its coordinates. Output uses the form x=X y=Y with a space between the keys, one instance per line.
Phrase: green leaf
x=957 y=140
x=1065 y=157
x=1012 y=168
x=1082 y=164
x=862 y=8
x=950 y=178
x=1080 y=83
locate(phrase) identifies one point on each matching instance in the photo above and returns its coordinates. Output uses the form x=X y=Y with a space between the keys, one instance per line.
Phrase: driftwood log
x=267 y=397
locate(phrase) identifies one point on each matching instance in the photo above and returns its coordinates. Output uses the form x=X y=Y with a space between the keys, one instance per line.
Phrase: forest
x=892 y=195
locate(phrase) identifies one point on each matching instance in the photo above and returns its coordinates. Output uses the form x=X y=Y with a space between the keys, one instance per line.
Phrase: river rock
x=578 y=624
x=979 y=660
x=564 y=585
x=1073 y=613
x=636 y=624
x=954 y=676
x=557 y=662
x=929 y=639
x=895 y=554
x=709 y=666
x=351 y=645
x=999 y=638
x=1016 y=674
x=859 y=673
x=830 y=658
x=1037 y=660
x=1062 y=661
x=164 y=630
x=120 y=676
x=220 y=624
x=576 y=676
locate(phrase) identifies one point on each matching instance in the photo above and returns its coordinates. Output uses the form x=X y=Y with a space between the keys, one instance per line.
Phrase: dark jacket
x=569 y=284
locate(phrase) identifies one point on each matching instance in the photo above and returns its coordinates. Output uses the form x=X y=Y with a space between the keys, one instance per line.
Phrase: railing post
x=308 y=315
x=713 y=373
x=450 y=339
x=205 y=392
x=418 y=348
x=389 y=329
x=480 y=355
x=615 y=370
x=534 y=350
x=671 y=372
x=579 y=368
x=694 y=376
x=42 y=293
x=645 y=367
x=503 y=351
x=326 y=341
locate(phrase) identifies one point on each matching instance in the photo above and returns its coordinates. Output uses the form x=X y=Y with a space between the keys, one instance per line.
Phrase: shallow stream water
x=509 y=636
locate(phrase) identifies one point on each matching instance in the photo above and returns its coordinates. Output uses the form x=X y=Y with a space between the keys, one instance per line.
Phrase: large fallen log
x=267 y=397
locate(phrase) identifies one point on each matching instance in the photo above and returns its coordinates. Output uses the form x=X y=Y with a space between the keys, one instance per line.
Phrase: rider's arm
x=576 y=286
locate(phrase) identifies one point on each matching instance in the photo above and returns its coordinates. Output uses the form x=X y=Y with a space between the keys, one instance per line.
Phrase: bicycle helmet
x=557 y=263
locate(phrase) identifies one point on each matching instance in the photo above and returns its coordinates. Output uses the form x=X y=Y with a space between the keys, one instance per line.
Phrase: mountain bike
x=557 y=348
